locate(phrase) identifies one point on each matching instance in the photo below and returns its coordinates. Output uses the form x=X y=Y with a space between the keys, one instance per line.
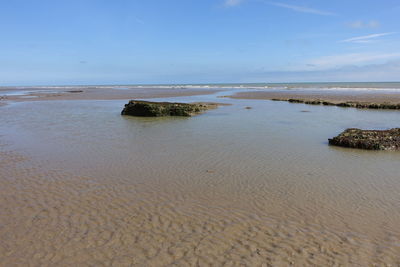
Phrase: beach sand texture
x=83 y=186
x=54 y=218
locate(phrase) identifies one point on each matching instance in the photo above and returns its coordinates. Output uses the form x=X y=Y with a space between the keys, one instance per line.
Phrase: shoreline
x=88 y=93
x=352 y=98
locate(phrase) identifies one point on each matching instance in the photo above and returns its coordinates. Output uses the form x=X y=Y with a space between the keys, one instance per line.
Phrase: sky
x=59 y=42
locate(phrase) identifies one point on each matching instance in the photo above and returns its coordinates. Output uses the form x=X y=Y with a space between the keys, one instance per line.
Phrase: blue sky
x=187 y=41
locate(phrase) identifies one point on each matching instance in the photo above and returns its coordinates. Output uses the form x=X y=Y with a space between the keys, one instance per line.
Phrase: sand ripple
x=81 y=186
x=50 y=217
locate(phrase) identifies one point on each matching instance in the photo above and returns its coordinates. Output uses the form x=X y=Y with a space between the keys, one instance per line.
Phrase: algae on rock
x=159 y=109
x=368 y=139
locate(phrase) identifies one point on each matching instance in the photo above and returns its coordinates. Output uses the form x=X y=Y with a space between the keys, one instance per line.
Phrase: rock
x=313 y=102
x=292 y=100
x=368 y=139
x=345 y=104
x=159 y=109
x=348 y=104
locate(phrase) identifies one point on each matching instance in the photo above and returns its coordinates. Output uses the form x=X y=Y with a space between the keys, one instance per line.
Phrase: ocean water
x=326 y=85
x=231 y=186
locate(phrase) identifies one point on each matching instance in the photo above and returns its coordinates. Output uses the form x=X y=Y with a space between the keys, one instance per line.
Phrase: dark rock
x=292 y=100
x=159 y=109
x=345 y=105
x=368 y=139
x=75 y=91
x=313 y=102
x=348 y=104
x=248 y=107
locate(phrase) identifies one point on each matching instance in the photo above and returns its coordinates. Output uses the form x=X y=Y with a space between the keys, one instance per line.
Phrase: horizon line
x=186 y=84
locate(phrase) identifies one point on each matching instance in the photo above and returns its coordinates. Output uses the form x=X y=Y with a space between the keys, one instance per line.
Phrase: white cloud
x=230 y=3
x=359 y=24
x=303 y=9
x=366 y=38
x=355 y=59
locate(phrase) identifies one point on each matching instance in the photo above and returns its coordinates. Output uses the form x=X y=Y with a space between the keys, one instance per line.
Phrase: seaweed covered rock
x=368 y=139
x=348 y=104
x=159 y=109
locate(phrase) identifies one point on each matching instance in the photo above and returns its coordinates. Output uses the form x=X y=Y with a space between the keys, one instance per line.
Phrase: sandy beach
x=55 y=218
x=96 y=93
x=81 y=185
x=200 y=133
x=331 y=96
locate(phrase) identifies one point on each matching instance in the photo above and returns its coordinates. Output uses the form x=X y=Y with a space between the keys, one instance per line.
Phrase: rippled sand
x=54 y=218
x=82 y=185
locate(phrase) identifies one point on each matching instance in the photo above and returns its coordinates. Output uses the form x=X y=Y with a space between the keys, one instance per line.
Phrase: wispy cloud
x=303 y=9
x=366 y=38
x=359 y=24
x=334 y=61
x=231 y=3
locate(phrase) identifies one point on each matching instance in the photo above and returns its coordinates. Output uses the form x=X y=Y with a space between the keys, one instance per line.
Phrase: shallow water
x=83 y=185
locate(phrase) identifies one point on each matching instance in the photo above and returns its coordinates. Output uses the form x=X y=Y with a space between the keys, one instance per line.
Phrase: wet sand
x=98 y=93
x=51 y=217
x=80 y=185
x=329 y=96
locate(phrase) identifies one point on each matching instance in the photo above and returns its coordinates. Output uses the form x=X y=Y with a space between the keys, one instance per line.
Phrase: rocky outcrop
x=160 y=109
x=368 y=139
x=348 y=104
